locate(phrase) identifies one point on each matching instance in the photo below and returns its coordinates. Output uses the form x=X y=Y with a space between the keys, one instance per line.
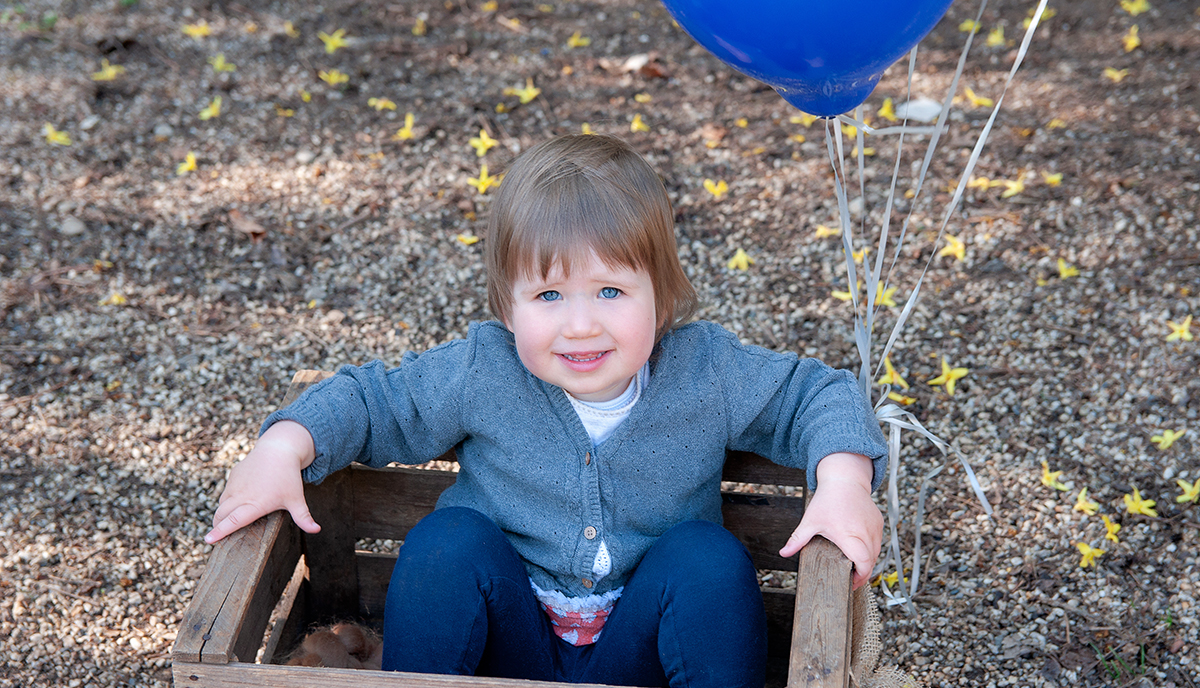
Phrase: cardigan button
x=590 y=532
x=587 y=582
x=587 y=459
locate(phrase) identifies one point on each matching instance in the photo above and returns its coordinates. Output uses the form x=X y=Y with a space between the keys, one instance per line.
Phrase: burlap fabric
x=865 y=670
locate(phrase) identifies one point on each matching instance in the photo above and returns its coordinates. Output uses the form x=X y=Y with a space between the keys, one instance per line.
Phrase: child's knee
x=703 y=545
x=451 y=533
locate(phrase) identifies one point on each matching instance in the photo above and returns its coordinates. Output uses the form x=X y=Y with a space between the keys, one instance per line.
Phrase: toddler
x=581 y=540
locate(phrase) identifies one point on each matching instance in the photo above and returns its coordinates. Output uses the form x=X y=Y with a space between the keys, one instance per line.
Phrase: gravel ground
x=152 y=319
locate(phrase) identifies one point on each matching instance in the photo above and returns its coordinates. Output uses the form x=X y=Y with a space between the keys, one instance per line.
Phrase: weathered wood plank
x=763 y=524
x=780 y=605
x=227 y=607
x=291 y=607
x=821 y=629
x=390 y=501
x=744 y=467
x=332 y=568
x=239 y=675
x=301 y=381
x=281 y=562
x=374 y=575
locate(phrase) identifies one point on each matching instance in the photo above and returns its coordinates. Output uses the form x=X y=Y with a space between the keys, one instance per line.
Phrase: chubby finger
x=302 y=517
x=236 y=519
x=796 y=542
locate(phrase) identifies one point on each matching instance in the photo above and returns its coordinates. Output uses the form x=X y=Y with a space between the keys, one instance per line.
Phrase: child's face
x=589 y=333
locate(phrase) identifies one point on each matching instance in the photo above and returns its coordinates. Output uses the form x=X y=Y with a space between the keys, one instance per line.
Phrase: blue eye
x=550 y=295
x=610 y=293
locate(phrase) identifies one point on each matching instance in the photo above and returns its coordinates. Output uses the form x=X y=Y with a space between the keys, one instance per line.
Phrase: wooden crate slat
x=390 y=501
x=821 y=629
x=763 y=524
x=301 y=381
x=234 y=599
x=780 y=605
x=329 y=554
x=245 y=675
x=289 y=628
x=374 y=574
x=743 y=467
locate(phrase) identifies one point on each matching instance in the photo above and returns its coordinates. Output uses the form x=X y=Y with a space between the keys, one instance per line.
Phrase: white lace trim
x=584 y=605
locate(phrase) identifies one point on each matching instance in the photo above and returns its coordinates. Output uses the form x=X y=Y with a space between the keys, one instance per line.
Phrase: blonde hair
x=574 y=195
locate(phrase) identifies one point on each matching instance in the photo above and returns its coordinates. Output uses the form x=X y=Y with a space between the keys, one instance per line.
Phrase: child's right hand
x=267 y=480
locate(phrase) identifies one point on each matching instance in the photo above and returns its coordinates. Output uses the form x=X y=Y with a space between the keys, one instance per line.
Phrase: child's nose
x=581 y=321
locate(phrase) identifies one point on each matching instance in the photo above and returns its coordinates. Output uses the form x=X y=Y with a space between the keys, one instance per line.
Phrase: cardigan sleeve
x=795 y=411
x=409 y=414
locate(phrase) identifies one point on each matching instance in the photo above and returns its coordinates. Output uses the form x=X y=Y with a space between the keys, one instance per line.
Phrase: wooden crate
x=272 y=566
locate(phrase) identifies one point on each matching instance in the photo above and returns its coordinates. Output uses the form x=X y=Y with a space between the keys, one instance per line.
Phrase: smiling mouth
x=583 y=358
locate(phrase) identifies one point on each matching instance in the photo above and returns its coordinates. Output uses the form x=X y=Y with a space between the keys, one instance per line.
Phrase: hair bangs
x=574 y=217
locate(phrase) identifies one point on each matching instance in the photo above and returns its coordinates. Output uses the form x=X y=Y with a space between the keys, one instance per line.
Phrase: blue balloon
x=824 y=57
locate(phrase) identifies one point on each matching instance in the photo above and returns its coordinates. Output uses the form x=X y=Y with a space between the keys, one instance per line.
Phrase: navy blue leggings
x=460 y=602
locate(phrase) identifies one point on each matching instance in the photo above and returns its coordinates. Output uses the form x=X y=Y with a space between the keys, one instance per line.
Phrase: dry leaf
x=247 y=226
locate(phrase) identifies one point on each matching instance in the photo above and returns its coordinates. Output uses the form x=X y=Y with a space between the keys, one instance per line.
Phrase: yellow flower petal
x=467 y=239
x=887 y=110
x=717 y=189
x=526 y=94
x=1051 y=478
x=823 y=231
x=1089 y=554
x=578 y=41
x=1065 y=270
x=483 y=143
x=1181 y=331
x=891 y=377
x=1130 y=40
x=803 y=118
x=740 y=261
x=220 y=64
x=1167 y=438
x=977 y=101
x=948 y=377
x=405 y=132
x=1134 y=504
x=1135 y=7
x=485 y=180
x=198 y=30
x=884 y=296
x=188 y=165
x=638 y=124
x=1085 y=505
x=1052 y=179
x=995 y=37
x=1115 y=75
x=954 y=247
x=333 y=41
x=211 y=110
x=108 y=72
x=1189 y=492
x=1111 y=529
x=333 y=77
x=54 y=136
x=381 y=104
x=114 y=299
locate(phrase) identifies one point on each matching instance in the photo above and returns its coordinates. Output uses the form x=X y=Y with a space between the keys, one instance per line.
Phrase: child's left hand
x=841 y=509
